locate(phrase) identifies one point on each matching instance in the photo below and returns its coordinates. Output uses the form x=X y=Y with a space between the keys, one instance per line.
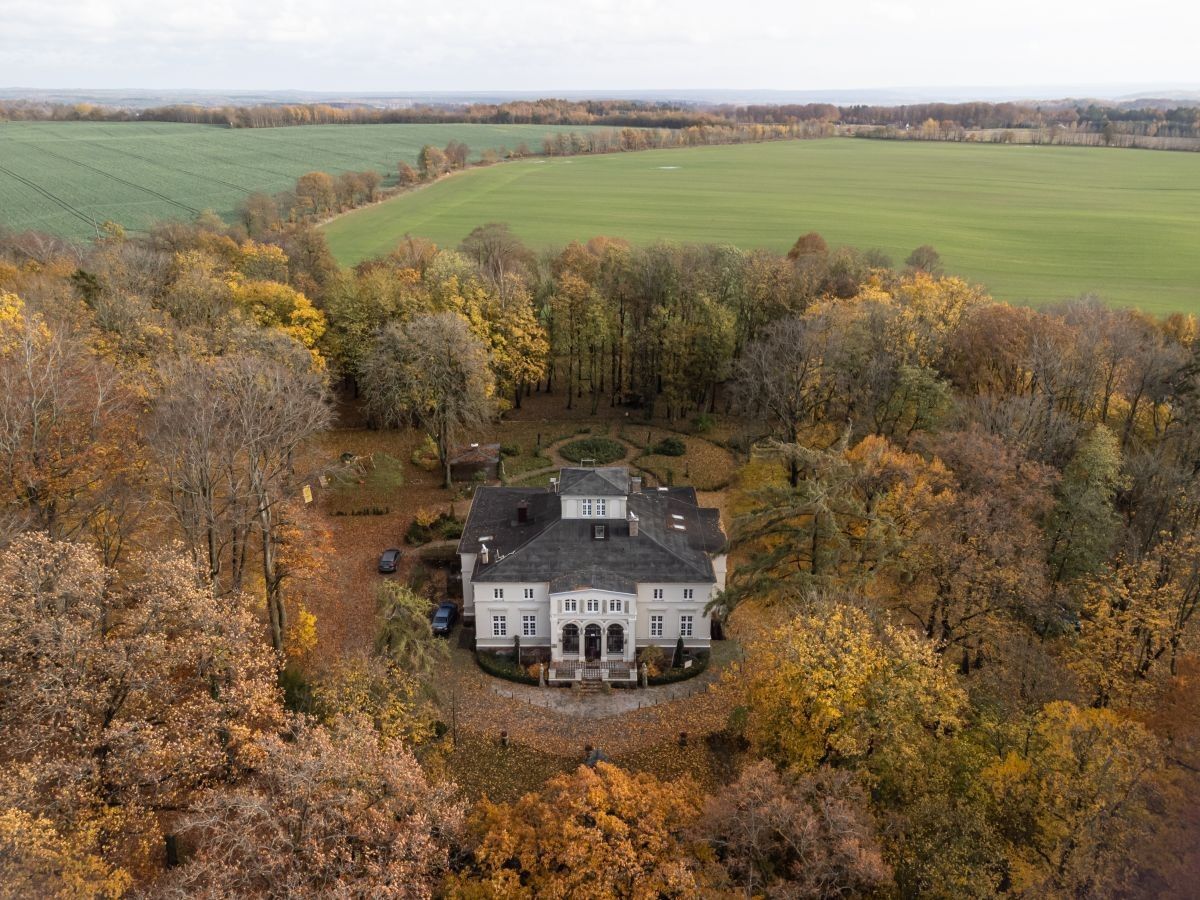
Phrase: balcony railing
x=594 y=670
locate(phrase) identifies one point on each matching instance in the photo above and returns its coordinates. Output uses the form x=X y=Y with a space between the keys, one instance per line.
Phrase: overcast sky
x=547 y=45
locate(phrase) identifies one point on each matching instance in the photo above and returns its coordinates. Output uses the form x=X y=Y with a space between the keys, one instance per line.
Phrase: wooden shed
x=474 y=458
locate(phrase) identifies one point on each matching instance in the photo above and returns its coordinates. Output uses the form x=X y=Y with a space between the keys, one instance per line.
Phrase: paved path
x=560 y=720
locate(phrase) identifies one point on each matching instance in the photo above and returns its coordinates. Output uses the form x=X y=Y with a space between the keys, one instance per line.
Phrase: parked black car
x=444 y=619
x=389 y=561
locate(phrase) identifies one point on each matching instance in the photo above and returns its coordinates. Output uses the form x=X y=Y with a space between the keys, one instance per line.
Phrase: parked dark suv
x=444 y=619
x=388 y=561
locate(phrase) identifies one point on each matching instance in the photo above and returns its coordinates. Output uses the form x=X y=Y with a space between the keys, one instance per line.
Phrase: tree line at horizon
x=964 y=569
x=1140 y=119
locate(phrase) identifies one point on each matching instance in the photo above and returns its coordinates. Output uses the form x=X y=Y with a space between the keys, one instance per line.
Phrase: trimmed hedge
x=672 y=675
x=603 y=450
x=503 y=666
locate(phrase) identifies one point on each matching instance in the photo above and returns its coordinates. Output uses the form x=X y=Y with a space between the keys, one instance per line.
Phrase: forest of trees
x=964 y=566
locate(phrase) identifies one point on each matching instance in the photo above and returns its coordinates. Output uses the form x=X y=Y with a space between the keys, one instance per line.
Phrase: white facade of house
x=658 y=613
x=606 y=621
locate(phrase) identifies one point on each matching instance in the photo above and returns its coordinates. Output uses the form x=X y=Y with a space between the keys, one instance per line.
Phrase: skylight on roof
x=677 y=517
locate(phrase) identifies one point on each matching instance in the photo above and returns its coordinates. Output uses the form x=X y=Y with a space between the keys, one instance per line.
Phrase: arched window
x=616 y=639
x=570 y=639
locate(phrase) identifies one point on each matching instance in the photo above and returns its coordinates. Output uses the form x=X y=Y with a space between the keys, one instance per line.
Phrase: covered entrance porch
x=592 y=636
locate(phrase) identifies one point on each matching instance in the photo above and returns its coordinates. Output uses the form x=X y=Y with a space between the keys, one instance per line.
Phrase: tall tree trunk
x=271 y=580
x=444 y=452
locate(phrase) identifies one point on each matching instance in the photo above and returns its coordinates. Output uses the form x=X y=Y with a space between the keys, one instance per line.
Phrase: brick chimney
x=484 y=554
x=633 y=525
x=635 y=484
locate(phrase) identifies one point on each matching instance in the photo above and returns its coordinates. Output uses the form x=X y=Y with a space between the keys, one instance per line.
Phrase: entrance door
x=591 y=643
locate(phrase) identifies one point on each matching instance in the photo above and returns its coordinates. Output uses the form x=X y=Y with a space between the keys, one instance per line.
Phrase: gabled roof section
x=475 y=453
x=607 y=481
x=593 y=578
x=495 y=518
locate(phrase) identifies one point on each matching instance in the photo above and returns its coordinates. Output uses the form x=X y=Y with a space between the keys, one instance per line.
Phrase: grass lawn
x=1034 y=224
x=62 y=177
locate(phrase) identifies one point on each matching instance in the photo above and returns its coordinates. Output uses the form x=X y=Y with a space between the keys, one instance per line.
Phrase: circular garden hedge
x=602 y=449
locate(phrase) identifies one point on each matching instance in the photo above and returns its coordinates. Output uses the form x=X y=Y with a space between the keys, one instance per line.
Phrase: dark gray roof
x=675 y=539
x=592 y=577
x=608 y=481
x=494 y=519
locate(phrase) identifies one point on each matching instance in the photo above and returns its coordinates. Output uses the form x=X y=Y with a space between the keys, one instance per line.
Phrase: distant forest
x=1111 y=124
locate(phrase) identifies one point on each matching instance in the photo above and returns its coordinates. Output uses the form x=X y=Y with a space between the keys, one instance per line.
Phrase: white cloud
x=360 y=45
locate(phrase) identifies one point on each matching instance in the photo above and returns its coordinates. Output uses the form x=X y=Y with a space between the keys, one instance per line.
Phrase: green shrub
x=670 y=676
x=602 y=449
x=297 y=691
x=703 y=423
x=502 y=665
x=426 y=456
x=444 y=527
x=510 y=449
x=670 y=446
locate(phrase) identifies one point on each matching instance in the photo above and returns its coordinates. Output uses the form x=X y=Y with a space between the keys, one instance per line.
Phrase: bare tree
x=226 y=431
x=780 y=379
x=497 y=252
x=432 y=372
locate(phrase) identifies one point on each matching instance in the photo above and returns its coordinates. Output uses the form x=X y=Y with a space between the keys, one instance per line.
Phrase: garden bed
x=601 y=450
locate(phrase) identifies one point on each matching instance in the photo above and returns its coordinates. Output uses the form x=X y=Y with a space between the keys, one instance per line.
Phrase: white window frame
x=529 y=625
x=570 y=604
x=497 y=593
x=689 y=593
x=593 y=604
x=658 y=593
x=656 y=626
x=601 y=508
x=615 y=605
x=685 y=626
x=585 y=507
x=499 y=626
x=528 y=593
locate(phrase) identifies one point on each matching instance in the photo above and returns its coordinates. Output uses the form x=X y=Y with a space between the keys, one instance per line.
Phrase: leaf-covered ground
x=543 y=742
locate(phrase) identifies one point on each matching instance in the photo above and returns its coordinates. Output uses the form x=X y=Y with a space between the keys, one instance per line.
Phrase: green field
x=1034 y=224
x=63 y=177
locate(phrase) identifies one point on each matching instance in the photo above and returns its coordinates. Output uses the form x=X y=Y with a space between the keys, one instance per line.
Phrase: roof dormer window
x=599 y=532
